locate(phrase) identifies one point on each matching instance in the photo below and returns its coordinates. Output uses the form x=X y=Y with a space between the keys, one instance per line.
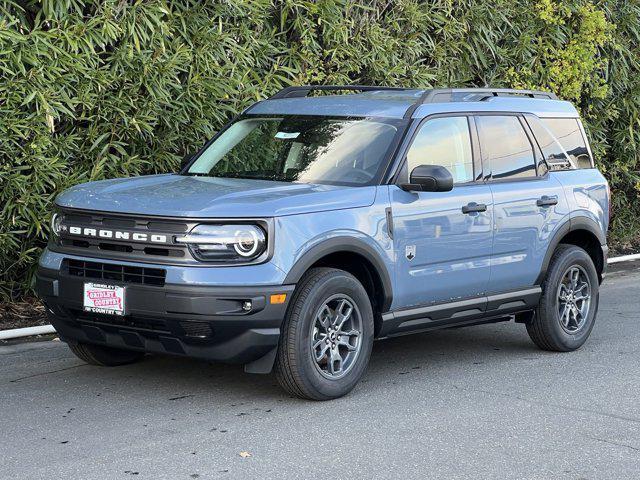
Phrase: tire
x=553 y=327
x=104 y=356
x=322 y=294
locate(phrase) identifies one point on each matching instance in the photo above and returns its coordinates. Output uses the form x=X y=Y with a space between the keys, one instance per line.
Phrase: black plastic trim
x=446 y=95
x=237 y=336
x=460 y=312
x=575 y=223
x=171 y=300
x=304 y=90
x=343 y=244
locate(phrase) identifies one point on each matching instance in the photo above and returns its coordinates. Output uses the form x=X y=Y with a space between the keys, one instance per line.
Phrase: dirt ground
x=624 y=248
x=26 y=313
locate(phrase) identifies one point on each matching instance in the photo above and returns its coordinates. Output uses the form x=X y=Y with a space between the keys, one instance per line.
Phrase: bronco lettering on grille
x=118 y=234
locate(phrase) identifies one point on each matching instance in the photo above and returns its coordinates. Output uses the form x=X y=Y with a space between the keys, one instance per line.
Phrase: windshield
x=339 y=151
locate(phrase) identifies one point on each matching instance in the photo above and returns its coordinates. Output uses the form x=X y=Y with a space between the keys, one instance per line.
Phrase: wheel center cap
x=332 y=336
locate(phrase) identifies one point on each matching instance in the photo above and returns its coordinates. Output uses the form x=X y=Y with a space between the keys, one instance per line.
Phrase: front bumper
x=205 y=322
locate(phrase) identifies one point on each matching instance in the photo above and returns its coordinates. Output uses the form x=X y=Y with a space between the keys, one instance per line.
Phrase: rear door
x=529 y=202
x=442 y=239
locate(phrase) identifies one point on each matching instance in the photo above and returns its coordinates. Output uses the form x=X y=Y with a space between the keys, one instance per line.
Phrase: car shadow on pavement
x=434 y=354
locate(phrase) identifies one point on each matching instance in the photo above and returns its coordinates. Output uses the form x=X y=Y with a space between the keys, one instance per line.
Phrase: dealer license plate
x=101 y=298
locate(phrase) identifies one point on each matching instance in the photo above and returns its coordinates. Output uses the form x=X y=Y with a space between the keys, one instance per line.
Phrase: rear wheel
x=104 y=356
x=327 y=336
x=567 y=310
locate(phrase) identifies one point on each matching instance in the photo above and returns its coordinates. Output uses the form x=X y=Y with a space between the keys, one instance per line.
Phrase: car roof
x=412 y=103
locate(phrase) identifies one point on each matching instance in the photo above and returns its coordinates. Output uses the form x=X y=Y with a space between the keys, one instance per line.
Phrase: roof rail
x=442 y=95
x=435 y=95
x=304 y=90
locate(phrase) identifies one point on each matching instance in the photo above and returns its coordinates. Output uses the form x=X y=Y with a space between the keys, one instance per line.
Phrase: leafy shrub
x=97 y=89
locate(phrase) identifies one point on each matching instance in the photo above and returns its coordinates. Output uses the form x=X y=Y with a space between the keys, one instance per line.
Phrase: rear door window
x=569 y=134
x=506 y=150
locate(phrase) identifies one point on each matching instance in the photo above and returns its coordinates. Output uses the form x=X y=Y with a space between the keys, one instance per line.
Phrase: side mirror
x=429 y=178
x=185 y=161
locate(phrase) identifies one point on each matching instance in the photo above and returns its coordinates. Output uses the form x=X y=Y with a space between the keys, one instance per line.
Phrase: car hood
x=209 y=197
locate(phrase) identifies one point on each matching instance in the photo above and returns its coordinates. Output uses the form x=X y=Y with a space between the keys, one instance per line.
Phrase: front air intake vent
x=114 y=272
x=196 y=329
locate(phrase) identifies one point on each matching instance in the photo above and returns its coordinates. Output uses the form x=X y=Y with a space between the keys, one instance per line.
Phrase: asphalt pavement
x=479 y=402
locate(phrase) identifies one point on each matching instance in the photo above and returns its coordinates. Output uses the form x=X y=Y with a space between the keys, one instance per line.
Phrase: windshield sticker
x=287 y=135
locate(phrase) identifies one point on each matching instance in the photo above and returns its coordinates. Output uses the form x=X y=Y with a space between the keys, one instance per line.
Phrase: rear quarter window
x=568 y=132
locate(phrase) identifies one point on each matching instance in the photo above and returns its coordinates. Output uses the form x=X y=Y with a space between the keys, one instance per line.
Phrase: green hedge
x=97 y=89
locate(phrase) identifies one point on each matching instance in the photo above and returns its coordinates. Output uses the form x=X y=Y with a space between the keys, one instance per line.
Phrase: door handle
x=546 y=201
x=474 y=207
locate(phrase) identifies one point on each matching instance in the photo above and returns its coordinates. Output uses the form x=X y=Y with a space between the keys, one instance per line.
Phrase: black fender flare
x=576 y=223
x=348 y=245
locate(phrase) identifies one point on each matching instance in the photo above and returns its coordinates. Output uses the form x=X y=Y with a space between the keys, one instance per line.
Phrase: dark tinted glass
x=552 y=152
x=567 y=132
x=506 y=149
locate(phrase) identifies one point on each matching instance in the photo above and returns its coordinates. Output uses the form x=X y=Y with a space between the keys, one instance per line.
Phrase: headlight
x=226 y=243
x=56 y=224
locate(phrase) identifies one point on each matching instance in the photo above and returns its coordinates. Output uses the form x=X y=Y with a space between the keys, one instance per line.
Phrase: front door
x=442 y=239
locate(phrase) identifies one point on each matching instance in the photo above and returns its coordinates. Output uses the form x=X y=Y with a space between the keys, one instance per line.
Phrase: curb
x=47 y=329
x=624 y=258
x=26 y=332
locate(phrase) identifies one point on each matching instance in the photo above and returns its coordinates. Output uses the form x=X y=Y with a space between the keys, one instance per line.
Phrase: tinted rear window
x=567 y=131
x=506 y=149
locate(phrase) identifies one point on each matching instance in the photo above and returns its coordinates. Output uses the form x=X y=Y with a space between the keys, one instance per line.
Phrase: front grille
x=182 y=329
x=120 y=249
x=114 y=272
x=135 y=322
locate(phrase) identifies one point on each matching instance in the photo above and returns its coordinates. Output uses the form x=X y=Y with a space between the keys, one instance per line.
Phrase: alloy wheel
x=336 y=336
x=574 y=299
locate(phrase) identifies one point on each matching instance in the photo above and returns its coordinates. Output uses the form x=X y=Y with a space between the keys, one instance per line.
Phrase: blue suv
x=325 y=217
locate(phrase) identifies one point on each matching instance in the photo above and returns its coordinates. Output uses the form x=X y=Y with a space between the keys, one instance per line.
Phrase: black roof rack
x=443 y=95
x=435 y=95
x=304 y=90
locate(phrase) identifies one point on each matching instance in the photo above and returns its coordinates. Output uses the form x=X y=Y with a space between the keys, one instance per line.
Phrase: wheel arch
x=356 y=257
x=582 y=232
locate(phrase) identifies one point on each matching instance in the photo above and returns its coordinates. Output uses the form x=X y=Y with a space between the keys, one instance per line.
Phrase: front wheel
x=327 y=336
x=567 y=310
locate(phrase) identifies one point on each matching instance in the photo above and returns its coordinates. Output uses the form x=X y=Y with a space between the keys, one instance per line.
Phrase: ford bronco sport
x=325 y=217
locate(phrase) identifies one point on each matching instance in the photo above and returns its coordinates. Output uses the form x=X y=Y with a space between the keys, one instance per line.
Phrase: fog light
x=246 y=306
